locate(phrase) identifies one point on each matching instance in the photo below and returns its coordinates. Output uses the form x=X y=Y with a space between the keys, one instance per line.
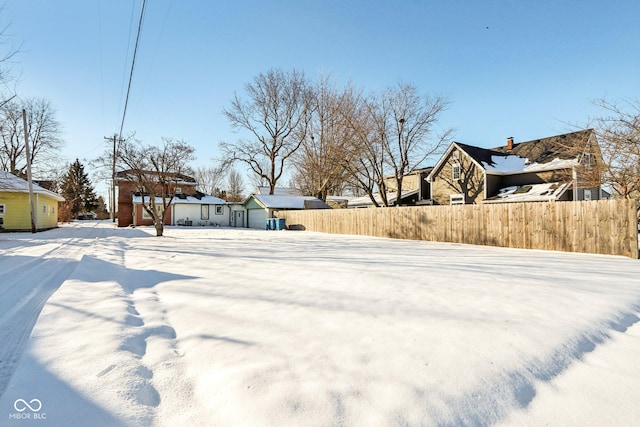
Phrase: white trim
x=457 y=199
x=445 y=156
x=454 y=167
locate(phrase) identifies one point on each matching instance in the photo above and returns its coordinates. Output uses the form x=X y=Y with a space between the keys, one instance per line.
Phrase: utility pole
x=29 y=178
x=115 y=140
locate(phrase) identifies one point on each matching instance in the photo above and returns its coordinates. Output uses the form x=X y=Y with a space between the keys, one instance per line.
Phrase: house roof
x=544 y=150
x=552 y=153
x=549 y=191
x=13 y=184
x=273 y=201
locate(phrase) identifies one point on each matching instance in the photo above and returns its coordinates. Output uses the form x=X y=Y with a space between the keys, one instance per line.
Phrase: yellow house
x=14 y=205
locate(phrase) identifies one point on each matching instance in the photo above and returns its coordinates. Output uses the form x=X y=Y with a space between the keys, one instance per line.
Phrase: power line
x=133 y=64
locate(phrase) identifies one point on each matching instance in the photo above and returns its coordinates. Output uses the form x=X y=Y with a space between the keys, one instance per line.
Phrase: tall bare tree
x=394 y=133
x=618 y=131
x=156 y=170
x=43 y=130
x=407 y=122
x=235 y=186
x=319 y=163
x=210 y=179
x=275 y=116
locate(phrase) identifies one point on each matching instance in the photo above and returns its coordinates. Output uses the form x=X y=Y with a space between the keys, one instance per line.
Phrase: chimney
x=510 y=143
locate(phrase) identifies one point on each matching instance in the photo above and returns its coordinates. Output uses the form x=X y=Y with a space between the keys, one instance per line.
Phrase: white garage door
x=257 y=218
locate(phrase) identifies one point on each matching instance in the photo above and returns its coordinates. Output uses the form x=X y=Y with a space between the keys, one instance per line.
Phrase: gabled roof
x=566 y=146
x=13 y=184
x=552 y=153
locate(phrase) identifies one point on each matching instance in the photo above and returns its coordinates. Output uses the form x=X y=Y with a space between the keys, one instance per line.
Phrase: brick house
x=130 y=213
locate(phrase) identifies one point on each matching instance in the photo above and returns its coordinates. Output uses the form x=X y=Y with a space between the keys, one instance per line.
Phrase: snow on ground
x=218 y=327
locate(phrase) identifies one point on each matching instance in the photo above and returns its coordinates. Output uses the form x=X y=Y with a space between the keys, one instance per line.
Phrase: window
x=53 y=210
x=179 y=191
x=145 y=214
x=218 y=209
x=455 y=172
x=204 y=212
x=587 y=195
x=586 y=160
x=3 y=209
x=456 y=199
x=44 y=209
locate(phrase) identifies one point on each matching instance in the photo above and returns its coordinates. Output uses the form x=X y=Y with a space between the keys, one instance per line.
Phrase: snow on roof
x=505 y=164
x=279 y=191
x=552 y=165
x=14 y=184
x=274 y=201
x=550 y=191
x=516 y=164
x=205 y=200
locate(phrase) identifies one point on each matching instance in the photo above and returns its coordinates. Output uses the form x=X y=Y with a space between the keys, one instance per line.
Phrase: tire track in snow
x=25 y=292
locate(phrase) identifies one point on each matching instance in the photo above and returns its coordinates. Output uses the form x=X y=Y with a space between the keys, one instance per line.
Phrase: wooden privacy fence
x=602 y=227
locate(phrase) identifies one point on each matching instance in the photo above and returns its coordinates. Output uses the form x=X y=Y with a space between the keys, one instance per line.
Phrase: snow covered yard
x=244 y=327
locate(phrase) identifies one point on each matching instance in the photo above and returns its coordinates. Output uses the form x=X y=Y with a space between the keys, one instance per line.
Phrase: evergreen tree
x=77 y=189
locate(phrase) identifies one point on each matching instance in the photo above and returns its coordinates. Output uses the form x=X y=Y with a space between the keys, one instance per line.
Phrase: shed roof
x=13 y=184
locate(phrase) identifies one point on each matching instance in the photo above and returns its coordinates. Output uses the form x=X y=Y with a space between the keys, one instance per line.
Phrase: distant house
x=561 y=167
x=415 y=191
x=15 y=212
x=130 y=197
x=259 y=207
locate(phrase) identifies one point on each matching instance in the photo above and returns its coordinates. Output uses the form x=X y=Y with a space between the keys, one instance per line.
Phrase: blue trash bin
x=281 y=224
x=268 y=222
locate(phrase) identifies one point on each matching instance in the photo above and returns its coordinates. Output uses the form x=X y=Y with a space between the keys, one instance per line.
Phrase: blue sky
x=510 y=68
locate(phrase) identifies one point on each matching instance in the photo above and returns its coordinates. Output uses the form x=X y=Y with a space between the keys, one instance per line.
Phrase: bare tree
x=235 y=186
x=319 y=163
x=618 y=132
x=156 y=171
x=395 y=132
x=44 y=136
x=210 y=179
x=406 y=120
x=275 y=116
